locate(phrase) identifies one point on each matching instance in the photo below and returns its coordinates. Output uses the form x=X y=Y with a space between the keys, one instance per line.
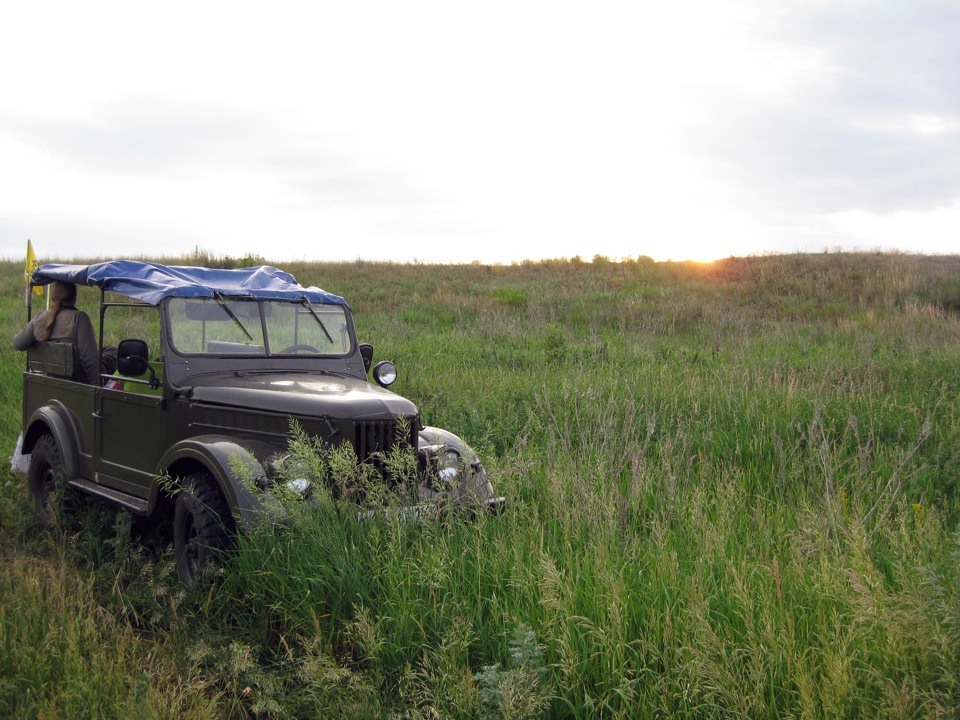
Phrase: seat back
x=51 y=358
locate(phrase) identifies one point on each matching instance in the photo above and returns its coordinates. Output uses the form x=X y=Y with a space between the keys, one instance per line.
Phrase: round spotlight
x=385 y=373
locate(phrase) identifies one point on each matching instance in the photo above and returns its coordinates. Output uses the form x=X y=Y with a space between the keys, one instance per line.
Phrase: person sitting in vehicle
x=63 y=322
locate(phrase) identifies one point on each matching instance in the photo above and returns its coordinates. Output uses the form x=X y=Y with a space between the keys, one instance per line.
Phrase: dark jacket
x=72 y=326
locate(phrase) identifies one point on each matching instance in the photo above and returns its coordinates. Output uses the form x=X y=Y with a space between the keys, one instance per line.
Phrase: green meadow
x=732 y=492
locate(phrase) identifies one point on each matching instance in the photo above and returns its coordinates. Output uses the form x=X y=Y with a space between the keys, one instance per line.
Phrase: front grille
x=375 y=438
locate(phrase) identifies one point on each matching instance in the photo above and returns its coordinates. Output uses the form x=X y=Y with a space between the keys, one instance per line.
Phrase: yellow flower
x=919 y=511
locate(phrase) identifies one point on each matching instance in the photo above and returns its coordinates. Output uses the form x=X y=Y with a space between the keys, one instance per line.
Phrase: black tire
x=44 y=478
x=201 y=525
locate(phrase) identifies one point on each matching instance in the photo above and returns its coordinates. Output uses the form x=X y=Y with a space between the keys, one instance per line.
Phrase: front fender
x=56 y=419
x=431 y=437
x=475 y=486
x=235 y=467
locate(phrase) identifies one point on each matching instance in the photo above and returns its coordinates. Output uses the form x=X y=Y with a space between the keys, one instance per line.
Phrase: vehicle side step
x=127 y=502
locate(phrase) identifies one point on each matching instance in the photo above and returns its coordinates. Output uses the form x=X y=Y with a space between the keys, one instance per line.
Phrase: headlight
x=448 y=465
x=299 y=487
x=286 y=465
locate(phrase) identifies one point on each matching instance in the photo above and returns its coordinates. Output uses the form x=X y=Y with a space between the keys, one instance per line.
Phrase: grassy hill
x=732 y=491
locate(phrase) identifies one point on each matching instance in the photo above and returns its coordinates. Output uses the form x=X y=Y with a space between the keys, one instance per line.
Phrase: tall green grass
x=732 y=491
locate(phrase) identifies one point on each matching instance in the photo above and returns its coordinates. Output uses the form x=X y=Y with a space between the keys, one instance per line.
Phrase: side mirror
x=133 y=361
x=366 y=352
x=132 y=357
x=385 y=373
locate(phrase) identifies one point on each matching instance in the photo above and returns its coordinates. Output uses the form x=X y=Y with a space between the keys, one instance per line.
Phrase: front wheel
x=201 y=525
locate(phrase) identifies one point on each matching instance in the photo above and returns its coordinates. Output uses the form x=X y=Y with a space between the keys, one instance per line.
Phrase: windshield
x=218 y=326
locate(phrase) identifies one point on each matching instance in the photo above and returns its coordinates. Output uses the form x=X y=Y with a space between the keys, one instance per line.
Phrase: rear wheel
x=201 y=525
x=45 y=477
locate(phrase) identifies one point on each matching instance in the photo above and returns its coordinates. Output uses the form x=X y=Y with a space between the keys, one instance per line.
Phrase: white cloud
x=496 y=132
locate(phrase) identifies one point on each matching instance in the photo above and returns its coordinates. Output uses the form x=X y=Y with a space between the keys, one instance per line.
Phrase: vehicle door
x=131 y=415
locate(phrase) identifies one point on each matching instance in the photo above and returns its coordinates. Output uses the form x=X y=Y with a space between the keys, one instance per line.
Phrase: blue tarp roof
x=151 y=282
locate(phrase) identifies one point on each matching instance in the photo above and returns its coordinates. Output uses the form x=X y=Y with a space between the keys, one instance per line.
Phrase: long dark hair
x=62 y=294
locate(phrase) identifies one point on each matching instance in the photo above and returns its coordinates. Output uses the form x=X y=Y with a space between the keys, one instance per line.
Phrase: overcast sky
x=493 y=131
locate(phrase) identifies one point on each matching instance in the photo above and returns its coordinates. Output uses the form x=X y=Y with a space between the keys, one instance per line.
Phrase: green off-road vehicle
x=216 y=370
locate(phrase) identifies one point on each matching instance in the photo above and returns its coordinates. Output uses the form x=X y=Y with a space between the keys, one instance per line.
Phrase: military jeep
x=215 y=369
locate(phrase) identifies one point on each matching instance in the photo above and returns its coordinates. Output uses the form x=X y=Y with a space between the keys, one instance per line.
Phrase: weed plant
x=732 y=491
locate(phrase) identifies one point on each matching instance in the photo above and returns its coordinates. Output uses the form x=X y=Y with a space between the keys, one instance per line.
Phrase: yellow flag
x=31 y=265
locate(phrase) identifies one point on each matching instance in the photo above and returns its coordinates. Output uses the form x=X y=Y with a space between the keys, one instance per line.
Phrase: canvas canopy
x=151 y=282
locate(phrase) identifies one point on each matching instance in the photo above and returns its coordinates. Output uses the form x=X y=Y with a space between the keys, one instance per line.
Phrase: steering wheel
x=299 y=348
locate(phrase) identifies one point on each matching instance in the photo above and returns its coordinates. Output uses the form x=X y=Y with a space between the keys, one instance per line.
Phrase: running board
x=127 y=502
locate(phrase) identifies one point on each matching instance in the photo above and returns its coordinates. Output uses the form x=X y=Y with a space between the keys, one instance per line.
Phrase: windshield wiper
x=220 y=301
x=308 y=306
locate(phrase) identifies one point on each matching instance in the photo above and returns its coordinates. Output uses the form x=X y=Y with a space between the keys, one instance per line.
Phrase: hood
x=304 y=394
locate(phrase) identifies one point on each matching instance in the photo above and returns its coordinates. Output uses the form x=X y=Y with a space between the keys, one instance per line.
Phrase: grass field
x=732 y=492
